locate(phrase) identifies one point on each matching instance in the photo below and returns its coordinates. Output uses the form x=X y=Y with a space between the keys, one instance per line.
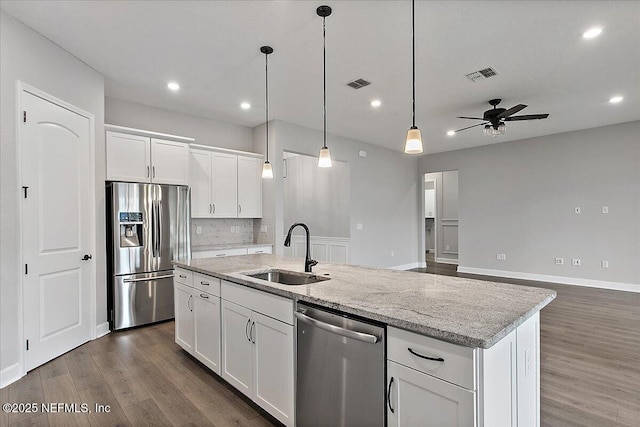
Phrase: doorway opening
x=440 y=227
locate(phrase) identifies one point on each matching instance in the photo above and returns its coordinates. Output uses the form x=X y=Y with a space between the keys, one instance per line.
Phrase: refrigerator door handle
x=159 y=229
x=148 y=279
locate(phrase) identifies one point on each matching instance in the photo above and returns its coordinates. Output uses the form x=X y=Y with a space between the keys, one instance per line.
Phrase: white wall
x=518 y=198
x=318 y=197
x=29 y=57
x=205 y=131
x=384 y=187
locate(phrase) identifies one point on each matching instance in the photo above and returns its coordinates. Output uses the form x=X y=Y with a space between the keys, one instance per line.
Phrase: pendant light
x=413 y=144
x=324 y=158
x=267 y=171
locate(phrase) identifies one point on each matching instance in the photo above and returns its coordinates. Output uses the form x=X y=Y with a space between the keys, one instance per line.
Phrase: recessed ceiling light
x=376 y=103
x=173 y=86
x=592 y=33
x=451 y=132
x=616 y=99
x=245 y=105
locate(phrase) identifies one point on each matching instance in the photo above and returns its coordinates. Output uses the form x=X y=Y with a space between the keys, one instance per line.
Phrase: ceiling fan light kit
x=495 y=118
x=413 y=143
x=324 y=157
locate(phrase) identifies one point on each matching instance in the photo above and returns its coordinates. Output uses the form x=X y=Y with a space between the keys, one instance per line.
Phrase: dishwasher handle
x=360 y=336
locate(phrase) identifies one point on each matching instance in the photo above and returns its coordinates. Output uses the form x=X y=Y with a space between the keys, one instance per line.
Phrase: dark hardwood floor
x=590 y=372
x=145 y=378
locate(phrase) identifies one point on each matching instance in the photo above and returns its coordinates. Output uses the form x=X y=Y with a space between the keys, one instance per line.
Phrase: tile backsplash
x=228 y=230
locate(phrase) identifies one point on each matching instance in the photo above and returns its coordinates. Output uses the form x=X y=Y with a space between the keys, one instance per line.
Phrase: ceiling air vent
x=482 y=74
x=357 y=84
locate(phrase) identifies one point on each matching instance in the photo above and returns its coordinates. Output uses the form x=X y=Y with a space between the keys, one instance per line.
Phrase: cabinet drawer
x=457 y=366
x=268 y=304
x=260 y=250
x=208 y=284
x=183 y=276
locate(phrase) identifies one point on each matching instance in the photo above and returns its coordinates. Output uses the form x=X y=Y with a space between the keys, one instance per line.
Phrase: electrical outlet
x=577 y=209
x=605 y=209
x=498 y=256
x=263 y=228
x=447 y=247
x=501 y=257
x=576 y=261
x=393 y=253
x=198 y=230
x=237 y=228
x=605 y=263
x=359 y=226
x=233 y=229
x=559 y=261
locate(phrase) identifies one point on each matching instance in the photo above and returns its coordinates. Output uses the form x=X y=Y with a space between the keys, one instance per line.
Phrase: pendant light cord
x=324 y=81
x=413 y=55
x=266 y=96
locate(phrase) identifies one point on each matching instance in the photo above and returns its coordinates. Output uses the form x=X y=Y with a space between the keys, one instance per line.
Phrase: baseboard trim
x=10 y=374
x=408 y=266
x=616 y=286
x=102 y=329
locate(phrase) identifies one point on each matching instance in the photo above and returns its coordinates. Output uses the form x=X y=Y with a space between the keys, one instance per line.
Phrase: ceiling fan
x=494 y=118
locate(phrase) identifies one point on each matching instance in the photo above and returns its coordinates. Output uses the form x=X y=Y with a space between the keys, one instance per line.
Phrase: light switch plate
x=577 y=209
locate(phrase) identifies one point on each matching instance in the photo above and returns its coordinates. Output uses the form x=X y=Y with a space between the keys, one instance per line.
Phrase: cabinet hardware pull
x=204 y=296
x=204 y=283
x=221 y=254
x=147 y=171
x=214 y=208
x=189 y=302
x=210 y=208
x=436 y=359
x=251 y=333
x=389 y=396
x=154 y=171
x=239 y=209
x=182 y=277
x=246 y=334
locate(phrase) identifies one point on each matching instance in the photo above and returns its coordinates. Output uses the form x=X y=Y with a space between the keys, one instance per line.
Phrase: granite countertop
x=217 y=246
x=469 y=312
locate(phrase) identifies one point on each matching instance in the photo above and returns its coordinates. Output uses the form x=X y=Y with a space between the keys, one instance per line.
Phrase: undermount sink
x=285 y=277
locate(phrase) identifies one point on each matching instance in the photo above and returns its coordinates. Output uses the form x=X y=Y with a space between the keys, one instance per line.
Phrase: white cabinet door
x=249 y=187
x=225 y=185
x=169 y=162
x=200 y=182
x=237 y=348
x=207 y=330
x=128 y=157
x=420 y=399
x=183 y=297
x=273 y=367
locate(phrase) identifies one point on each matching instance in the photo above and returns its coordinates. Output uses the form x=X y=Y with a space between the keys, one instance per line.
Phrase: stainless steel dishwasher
x=340 y=370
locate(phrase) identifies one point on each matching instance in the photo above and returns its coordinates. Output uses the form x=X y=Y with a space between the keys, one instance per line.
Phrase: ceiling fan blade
x=469 y=127
x=472 y=118
x=512 y=110
x=526 y=117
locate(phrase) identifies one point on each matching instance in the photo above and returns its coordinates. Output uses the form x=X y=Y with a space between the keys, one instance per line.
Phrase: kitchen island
x=488 y=330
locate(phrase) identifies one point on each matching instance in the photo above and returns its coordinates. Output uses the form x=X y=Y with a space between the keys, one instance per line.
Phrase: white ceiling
x=212 y=49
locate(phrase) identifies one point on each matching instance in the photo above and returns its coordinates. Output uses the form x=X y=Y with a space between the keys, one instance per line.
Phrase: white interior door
x=57 y=229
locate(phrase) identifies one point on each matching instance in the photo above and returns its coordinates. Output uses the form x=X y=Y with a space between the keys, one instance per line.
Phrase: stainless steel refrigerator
x=148 y=226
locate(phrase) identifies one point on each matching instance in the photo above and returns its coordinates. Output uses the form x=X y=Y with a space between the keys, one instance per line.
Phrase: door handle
x=86 y=257
x=246 y=333
x=189 y=302
x=251 y=333
x=389 y=396
x=148 y=279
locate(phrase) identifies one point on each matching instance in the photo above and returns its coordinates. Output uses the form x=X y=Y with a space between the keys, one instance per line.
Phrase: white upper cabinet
x=169 y=162
x=225 y=184
x=201 y=184
x=138 y=158
x=128 y=157
x=249 y=187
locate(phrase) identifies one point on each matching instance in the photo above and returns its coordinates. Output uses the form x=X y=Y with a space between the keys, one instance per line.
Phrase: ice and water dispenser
x=131 y=229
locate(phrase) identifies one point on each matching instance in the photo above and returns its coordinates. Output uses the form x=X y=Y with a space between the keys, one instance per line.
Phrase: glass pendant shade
x=324 y=158
x=413 y=145
x=267 y=171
